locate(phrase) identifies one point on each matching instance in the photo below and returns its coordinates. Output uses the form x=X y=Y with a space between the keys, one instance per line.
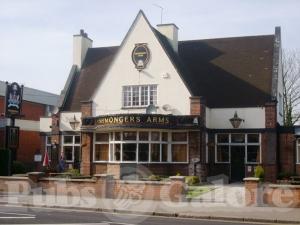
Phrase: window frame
x=73 y=145
x=112 y=142
x=48 y=147
x=130 y=89
x=245 y=144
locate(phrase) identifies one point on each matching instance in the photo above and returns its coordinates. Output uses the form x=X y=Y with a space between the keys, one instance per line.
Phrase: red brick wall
x=287 y=152
x=32 y=111
x=271 y=115
x=29 y=143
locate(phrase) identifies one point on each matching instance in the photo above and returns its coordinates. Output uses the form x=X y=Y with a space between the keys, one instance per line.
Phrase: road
x=36 y=215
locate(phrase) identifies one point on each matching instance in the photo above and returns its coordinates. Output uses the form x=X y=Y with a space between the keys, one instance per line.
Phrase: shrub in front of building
x=192 y=180
x=259 y=172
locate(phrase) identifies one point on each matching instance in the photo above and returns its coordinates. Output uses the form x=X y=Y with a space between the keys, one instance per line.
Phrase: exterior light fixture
x=74 y=123
x=236 y=121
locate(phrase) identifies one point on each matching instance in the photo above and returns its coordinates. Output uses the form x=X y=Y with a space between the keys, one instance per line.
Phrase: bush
x=18 y=168
x=154 y=177
x=259 y=172
x=74 y=172
x=192 y=180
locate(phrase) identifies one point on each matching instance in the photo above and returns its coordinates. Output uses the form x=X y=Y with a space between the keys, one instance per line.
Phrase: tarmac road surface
x=36 y=215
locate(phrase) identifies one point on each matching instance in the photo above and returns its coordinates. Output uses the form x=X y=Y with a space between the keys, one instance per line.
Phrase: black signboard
x=12 y=137
x=140 y=56
x=13 y=99
x=143 y=121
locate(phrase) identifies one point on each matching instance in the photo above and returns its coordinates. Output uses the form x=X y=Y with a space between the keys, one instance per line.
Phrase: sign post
x=13 y=107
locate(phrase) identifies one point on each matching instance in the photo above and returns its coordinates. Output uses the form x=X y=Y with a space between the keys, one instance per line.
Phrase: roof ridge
x=233 y=37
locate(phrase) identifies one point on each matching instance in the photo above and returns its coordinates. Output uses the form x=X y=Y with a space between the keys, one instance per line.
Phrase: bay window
x=141 y=146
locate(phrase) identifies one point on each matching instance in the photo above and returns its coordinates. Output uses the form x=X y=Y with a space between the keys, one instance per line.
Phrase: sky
x=36 y=35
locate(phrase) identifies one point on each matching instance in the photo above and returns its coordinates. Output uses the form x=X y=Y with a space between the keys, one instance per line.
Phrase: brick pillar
x=177 y=188
x=55 y=141
x=269 y=142
x=86 y=108
x=105 y=186
x=86 y=141
x=33 y=178
x=197 y=140
x=253 y=193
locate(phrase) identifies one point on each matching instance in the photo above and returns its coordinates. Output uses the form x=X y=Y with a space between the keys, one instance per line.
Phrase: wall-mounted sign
x=140 y=56
x=13 y=99
x=37 y=158
x=12 y=137
x=142 y=121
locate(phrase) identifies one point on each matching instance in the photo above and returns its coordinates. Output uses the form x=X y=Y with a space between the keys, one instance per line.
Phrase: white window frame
x=48 y=147
x=101 y=142
x=245 y=144
x=298 y=151
x=73 y=145
x=112 y=143
x=130 y=87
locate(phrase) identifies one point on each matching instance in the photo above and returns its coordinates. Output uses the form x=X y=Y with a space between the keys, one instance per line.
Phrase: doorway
x=237 y=166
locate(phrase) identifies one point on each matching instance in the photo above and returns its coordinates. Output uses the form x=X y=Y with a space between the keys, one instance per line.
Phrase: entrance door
x=237 y=163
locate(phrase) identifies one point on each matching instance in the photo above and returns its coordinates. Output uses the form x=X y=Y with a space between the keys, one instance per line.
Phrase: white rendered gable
x=171 y=90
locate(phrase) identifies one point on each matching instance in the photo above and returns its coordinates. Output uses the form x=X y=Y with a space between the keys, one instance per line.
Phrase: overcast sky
x=36 y=35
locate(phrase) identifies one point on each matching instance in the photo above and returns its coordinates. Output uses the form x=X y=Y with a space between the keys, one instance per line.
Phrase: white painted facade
x=218 y=118
x=45 y=124
x=170 y=89
x=28 y=125
x=66 y=117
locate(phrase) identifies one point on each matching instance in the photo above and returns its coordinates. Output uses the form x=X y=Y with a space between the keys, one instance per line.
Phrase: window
x=253 y=149
x=139 y=95
x=71 y=146
x=101 y=147
x=224 y=143
x=141 y=146
x=298 y=151
x=179 y=147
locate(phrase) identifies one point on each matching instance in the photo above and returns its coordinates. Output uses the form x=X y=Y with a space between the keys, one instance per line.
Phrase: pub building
x=195 y=107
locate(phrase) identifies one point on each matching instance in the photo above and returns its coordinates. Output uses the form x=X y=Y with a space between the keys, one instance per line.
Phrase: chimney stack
x=170 y=31
x=81 y=43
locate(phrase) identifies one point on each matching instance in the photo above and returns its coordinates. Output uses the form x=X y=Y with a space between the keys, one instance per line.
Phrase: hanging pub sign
x=13 y=99
x=140 y=56
x=12 y=137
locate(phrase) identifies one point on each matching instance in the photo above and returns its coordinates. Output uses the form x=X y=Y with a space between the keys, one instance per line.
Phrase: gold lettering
x=138 y=119
x=106 y=120
x=149 y=119
x=111 y=119
x=132 y=119
x=121 y=119
x=116 y=120
x=126 y=119
x=154 y=120
x=167 y=120
x=161 y=119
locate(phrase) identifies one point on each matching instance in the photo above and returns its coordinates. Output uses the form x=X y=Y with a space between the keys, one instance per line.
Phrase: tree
x=291 y=86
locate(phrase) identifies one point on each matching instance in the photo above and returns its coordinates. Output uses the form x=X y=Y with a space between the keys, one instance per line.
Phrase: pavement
x=223 y=203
